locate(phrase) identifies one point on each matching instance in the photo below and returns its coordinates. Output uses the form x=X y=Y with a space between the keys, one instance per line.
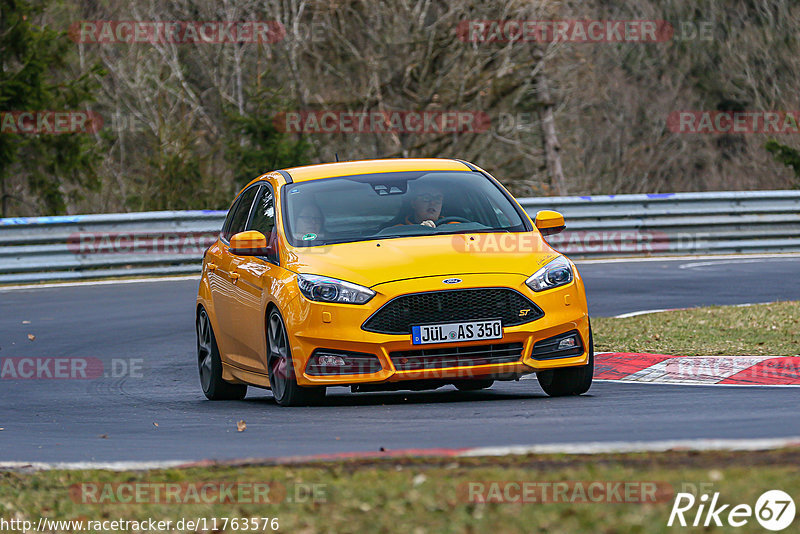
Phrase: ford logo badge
x=452 y=281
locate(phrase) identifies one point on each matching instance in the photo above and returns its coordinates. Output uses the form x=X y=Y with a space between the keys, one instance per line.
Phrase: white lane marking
x=645 y=312
x=600 y=447
x=642 y=312
x=101 y=282
x=109 y=466
x=593 y=447
x=689 y=257
x=693 y=265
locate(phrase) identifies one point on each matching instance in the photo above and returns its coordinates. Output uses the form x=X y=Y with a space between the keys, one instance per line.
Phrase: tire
x=281 y=368
x=209 y=364
x=571 y=380
x=473 y=385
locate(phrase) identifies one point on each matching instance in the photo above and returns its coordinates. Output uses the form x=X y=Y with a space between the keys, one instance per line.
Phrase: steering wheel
x=446 y=220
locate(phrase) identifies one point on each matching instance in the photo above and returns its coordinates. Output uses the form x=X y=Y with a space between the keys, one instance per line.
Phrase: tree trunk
x=552 y=148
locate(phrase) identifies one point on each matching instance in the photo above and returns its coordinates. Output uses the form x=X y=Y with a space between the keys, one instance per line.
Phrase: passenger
x=309 y=223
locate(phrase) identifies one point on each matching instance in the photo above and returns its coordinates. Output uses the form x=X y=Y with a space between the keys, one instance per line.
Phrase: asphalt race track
x=150 y=325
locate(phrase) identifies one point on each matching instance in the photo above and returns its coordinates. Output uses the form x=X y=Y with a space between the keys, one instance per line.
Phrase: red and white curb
x=704 y=370
x=601 y=447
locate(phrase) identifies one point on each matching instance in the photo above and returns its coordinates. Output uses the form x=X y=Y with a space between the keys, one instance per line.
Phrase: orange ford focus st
x=386 y=275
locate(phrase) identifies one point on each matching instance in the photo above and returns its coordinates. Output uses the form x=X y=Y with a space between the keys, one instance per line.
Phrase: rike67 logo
x=774 y=510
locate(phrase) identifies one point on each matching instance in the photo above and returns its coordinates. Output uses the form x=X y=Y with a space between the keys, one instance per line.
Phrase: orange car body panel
x=238 y=291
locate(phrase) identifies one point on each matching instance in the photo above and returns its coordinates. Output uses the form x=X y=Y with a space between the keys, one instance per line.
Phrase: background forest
x=187 y=124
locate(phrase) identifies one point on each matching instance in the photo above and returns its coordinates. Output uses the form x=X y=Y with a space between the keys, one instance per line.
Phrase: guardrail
x=171 y=242
x=675 y=223
x=74 y=247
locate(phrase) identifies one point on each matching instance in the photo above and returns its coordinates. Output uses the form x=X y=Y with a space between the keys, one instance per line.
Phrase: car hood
x=370 y=263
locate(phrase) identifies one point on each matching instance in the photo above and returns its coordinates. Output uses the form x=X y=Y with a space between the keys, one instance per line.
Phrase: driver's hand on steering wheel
x=429 y=223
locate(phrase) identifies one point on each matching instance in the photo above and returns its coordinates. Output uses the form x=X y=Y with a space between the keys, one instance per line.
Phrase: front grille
x=448 y=306
x=414 y=360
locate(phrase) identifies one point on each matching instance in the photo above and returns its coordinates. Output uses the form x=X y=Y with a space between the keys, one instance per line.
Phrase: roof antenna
x=337 y=156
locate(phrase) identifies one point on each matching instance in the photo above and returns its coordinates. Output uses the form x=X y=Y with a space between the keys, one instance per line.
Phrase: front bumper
x=314 y=325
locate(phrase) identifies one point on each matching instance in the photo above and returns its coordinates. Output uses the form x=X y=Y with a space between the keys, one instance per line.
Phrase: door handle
x=211 y=266
x=235 y=277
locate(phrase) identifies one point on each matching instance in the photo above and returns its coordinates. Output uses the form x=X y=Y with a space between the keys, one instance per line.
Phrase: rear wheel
x=210 y=365
x=473 y=385
x=281 y=369
x=570 y=380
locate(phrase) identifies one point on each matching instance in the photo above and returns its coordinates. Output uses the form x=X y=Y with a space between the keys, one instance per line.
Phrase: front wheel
x=209 y=364
x=281 y=369
x=570 y=380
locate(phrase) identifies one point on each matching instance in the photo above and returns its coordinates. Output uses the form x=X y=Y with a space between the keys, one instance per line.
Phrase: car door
x=225 y=291
x=256 y=275
x=217 y=269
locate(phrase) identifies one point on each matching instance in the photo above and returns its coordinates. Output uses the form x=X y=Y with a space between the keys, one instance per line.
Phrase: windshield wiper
x=482 y=231
x=332 y=242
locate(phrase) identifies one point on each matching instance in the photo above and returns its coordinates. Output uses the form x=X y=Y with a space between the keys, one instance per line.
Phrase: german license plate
x=450 y=332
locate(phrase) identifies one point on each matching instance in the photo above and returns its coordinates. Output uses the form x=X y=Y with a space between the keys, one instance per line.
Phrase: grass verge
x=762 y=329
x=421 y=495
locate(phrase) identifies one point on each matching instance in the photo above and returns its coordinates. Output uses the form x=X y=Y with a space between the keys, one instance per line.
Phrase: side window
x=240 y=211
x=227 y=224
x=264 y=213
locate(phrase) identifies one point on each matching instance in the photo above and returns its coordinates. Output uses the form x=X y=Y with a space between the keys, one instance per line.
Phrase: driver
x=426 y=207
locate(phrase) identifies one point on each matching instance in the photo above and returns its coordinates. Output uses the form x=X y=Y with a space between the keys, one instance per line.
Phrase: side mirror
x=250 y=243
x=550 y=222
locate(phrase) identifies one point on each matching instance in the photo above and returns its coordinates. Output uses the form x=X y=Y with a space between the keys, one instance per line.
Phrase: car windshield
x=398 y=204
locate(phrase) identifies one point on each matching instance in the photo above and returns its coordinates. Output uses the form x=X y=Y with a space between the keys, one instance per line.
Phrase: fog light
x=567 y=343
x=339 y=362
x=330 y=360
x=563 y=345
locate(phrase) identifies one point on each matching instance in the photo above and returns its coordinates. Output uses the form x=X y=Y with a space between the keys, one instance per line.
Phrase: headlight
x=324 y=289
x=556 y=273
